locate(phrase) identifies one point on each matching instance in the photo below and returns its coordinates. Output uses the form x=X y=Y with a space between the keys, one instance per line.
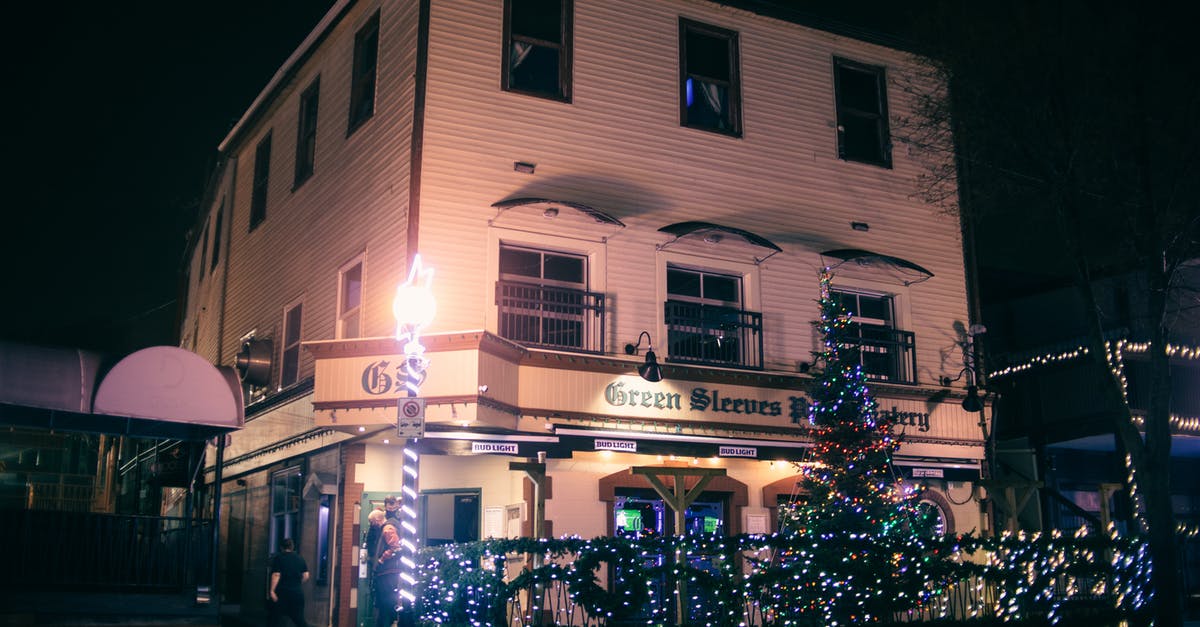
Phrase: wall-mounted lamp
x=972 y=402
x=650 y=370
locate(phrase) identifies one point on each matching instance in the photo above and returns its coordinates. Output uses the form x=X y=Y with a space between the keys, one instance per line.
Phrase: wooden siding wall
x=619 y=147
x=355 y=203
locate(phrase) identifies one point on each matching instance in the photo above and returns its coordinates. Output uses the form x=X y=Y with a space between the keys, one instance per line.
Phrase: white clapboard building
x=581 y=176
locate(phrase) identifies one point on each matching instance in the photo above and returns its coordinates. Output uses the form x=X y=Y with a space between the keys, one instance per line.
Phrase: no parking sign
x=410 y=419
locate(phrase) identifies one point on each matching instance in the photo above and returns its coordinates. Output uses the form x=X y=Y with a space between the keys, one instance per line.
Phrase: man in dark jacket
x=288 y=572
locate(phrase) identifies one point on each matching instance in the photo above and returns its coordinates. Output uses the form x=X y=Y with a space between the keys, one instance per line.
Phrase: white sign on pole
x=410 y=419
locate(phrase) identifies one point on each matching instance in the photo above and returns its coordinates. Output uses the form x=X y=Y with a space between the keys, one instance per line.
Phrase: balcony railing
x=551 y=317
x=886 y=354
x=708 y=334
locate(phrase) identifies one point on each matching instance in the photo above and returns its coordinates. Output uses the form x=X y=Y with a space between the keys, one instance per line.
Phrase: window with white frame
x=885 y=352
x=289 y=363
x=286 y=487
x=706 y=320
x=349 y=310
x=543 y=300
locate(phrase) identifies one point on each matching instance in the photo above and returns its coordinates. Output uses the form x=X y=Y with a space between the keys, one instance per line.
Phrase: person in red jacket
x=387 y=571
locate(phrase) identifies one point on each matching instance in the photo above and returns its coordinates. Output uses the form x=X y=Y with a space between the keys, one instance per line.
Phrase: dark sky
x=114 y=113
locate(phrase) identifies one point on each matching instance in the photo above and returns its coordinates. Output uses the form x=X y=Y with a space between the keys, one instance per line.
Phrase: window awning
x=714 y=234
x=910 y=272
x=549 y=204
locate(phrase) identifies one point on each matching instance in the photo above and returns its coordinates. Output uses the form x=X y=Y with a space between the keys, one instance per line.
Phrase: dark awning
x=867 y=258
x=707 y=230
x=592 y=212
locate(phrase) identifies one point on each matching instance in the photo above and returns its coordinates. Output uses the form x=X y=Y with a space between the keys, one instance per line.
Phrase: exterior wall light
x=650 y=370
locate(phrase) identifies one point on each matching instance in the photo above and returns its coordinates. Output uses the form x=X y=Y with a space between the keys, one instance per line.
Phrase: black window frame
x=306 y=133
x=734 y=83
x=262 y=181
x=216 y=242
x=846 y=112
x=565 y=49
x=364 y=74
x=203 y=254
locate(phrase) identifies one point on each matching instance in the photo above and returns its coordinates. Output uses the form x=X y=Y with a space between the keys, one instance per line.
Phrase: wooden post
x=536 y=471
x=678 y=498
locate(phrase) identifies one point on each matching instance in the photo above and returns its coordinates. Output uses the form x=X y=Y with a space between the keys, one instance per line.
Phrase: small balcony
x=886 y=354
x=551 y=317
x=713 y=335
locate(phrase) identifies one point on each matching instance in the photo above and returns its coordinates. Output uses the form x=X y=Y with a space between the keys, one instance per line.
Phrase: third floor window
x=363 y=73
x=862 y=117
x=537 y=47
x=262 y=178
x=306 y=133
x=710 y=94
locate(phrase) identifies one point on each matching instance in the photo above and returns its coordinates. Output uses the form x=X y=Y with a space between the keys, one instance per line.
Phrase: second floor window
x=349 y=317
x=306 y=133
x=543 y=300
x=862 y=117
x=885 y=352
x=537 y=47
x=706 y=322
x=709 y=90
x=262 y=178
x=362 y=81
x=289 y=364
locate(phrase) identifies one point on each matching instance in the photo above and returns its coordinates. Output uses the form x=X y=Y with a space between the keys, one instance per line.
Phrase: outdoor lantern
x=972 y=402
x=650 y=370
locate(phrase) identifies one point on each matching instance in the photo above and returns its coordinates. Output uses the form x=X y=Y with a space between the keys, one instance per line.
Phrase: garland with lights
x=1038 y=577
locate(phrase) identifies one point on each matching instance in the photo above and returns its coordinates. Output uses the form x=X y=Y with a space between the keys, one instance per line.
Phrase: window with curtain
x=709 y=90
x=537 y=47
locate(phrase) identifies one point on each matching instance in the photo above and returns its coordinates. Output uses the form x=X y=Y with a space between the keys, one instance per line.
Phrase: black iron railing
x=551 y=317
x=709 y=334
x=886 y=354
x=89 y=551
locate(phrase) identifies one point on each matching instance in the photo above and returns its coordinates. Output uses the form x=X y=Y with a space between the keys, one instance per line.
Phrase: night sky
x=115 y=111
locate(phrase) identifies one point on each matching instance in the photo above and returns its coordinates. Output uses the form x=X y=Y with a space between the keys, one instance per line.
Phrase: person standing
x=288 y=573
x=387 y=574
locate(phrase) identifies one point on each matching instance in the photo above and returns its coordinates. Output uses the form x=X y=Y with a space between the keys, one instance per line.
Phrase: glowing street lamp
x=414 y=308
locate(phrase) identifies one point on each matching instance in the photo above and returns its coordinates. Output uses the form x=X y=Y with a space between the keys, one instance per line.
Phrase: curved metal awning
x=713 y=234
x=868 y=258
x=551 y=204
x=162 y=391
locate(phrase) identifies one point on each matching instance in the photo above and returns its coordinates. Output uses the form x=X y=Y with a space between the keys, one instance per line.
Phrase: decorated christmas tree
x=868 y=535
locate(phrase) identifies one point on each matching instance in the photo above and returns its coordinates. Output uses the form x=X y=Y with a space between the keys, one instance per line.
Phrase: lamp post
x=414 y=308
